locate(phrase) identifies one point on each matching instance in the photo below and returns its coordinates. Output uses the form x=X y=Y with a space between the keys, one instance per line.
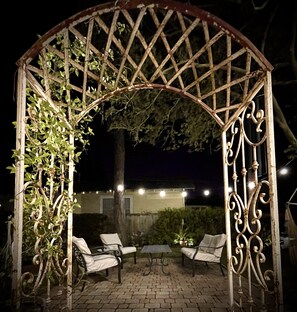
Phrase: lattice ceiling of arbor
x=125 y=45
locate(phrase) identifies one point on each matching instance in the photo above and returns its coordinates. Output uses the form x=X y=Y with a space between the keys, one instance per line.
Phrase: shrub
x=209 y=220
x=90 y=226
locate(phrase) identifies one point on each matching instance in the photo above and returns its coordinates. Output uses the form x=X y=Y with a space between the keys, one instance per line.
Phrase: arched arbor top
x=125 y=45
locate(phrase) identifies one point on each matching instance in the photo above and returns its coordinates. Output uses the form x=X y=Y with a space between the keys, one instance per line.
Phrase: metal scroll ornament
x=248 y=202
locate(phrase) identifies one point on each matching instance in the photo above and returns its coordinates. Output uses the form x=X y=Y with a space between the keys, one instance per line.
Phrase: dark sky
x=142 y=162
x=30 y=19
x=146 y=164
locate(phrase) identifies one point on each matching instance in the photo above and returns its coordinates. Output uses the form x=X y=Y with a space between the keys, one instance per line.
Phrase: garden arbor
x=123 y=46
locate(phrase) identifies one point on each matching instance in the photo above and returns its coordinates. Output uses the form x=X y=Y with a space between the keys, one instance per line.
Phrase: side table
x=155 y=253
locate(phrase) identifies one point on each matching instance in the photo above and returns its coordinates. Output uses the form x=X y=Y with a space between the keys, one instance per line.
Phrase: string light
x=184 y=194
x=206 y=193
x=283 y=171
x=141 y=191
x=162 y=193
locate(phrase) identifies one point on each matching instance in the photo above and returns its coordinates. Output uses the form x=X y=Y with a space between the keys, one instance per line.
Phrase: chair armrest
x=199 y=247
x=97 y=249
x=118 y=245
x=210 y=249
x=97 y=253
x=116 y=250
x=208 y=246
x=217 y=247
x=220 y=246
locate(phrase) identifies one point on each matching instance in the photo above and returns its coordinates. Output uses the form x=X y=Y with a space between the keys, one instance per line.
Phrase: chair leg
x=84 y=278
x=83 y=286
x=119 y=273
x=75 y=275
x=134 y=257
x=193 y=267
x=122 y=262
x=183 y=259
x=221 y=267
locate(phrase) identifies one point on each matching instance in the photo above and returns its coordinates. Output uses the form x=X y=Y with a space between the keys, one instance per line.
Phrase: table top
x=155 y=249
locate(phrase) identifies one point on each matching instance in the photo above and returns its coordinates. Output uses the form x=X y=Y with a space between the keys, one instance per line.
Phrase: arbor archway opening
x=114 y=48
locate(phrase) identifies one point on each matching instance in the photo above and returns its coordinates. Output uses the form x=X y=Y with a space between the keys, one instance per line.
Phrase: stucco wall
x=150 y=201
x=89 y=202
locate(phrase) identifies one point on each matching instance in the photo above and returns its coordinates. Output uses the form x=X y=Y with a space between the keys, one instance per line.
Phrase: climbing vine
x=49 y=125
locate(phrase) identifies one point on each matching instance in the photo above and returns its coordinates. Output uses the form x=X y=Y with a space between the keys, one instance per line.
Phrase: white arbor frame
x=223 y=72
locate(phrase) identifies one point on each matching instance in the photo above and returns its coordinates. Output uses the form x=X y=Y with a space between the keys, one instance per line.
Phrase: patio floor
x=156 y=292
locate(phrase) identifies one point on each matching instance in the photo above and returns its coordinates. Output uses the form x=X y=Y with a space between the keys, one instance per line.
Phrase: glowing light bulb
x=120 y=187
x=206 y=193
x=141 y=191
x=283 y=171
x=184 y=194
x=162 y=193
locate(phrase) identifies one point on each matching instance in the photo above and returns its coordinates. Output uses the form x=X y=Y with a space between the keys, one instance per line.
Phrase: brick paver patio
x=156 y=292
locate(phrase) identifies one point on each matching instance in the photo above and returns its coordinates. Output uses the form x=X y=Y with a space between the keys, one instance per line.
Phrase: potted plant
x=137 y=239
x=181 y=237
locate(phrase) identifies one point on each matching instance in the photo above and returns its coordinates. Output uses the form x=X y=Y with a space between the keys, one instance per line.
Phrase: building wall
x=150 y=201
x=89 y=202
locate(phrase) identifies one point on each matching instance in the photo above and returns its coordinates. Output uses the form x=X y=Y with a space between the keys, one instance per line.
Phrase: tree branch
x=267 y=29
x=282 y=122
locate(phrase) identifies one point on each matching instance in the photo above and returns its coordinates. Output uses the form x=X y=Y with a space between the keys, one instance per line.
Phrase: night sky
x=203 y=170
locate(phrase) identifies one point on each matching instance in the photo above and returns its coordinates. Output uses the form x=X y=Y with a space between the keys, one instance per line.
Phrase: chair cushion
x=102 y=262
x=127 y=250
x=111 y=241
x=217 y=240
x=200 y=256
x=208 y=250
x=83 y=247
x=205 y=243
x=210 y=243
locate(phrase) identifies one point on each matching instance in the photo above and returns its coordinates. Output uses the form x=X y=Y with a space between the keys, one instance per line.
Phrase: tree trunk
x=119 y=173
